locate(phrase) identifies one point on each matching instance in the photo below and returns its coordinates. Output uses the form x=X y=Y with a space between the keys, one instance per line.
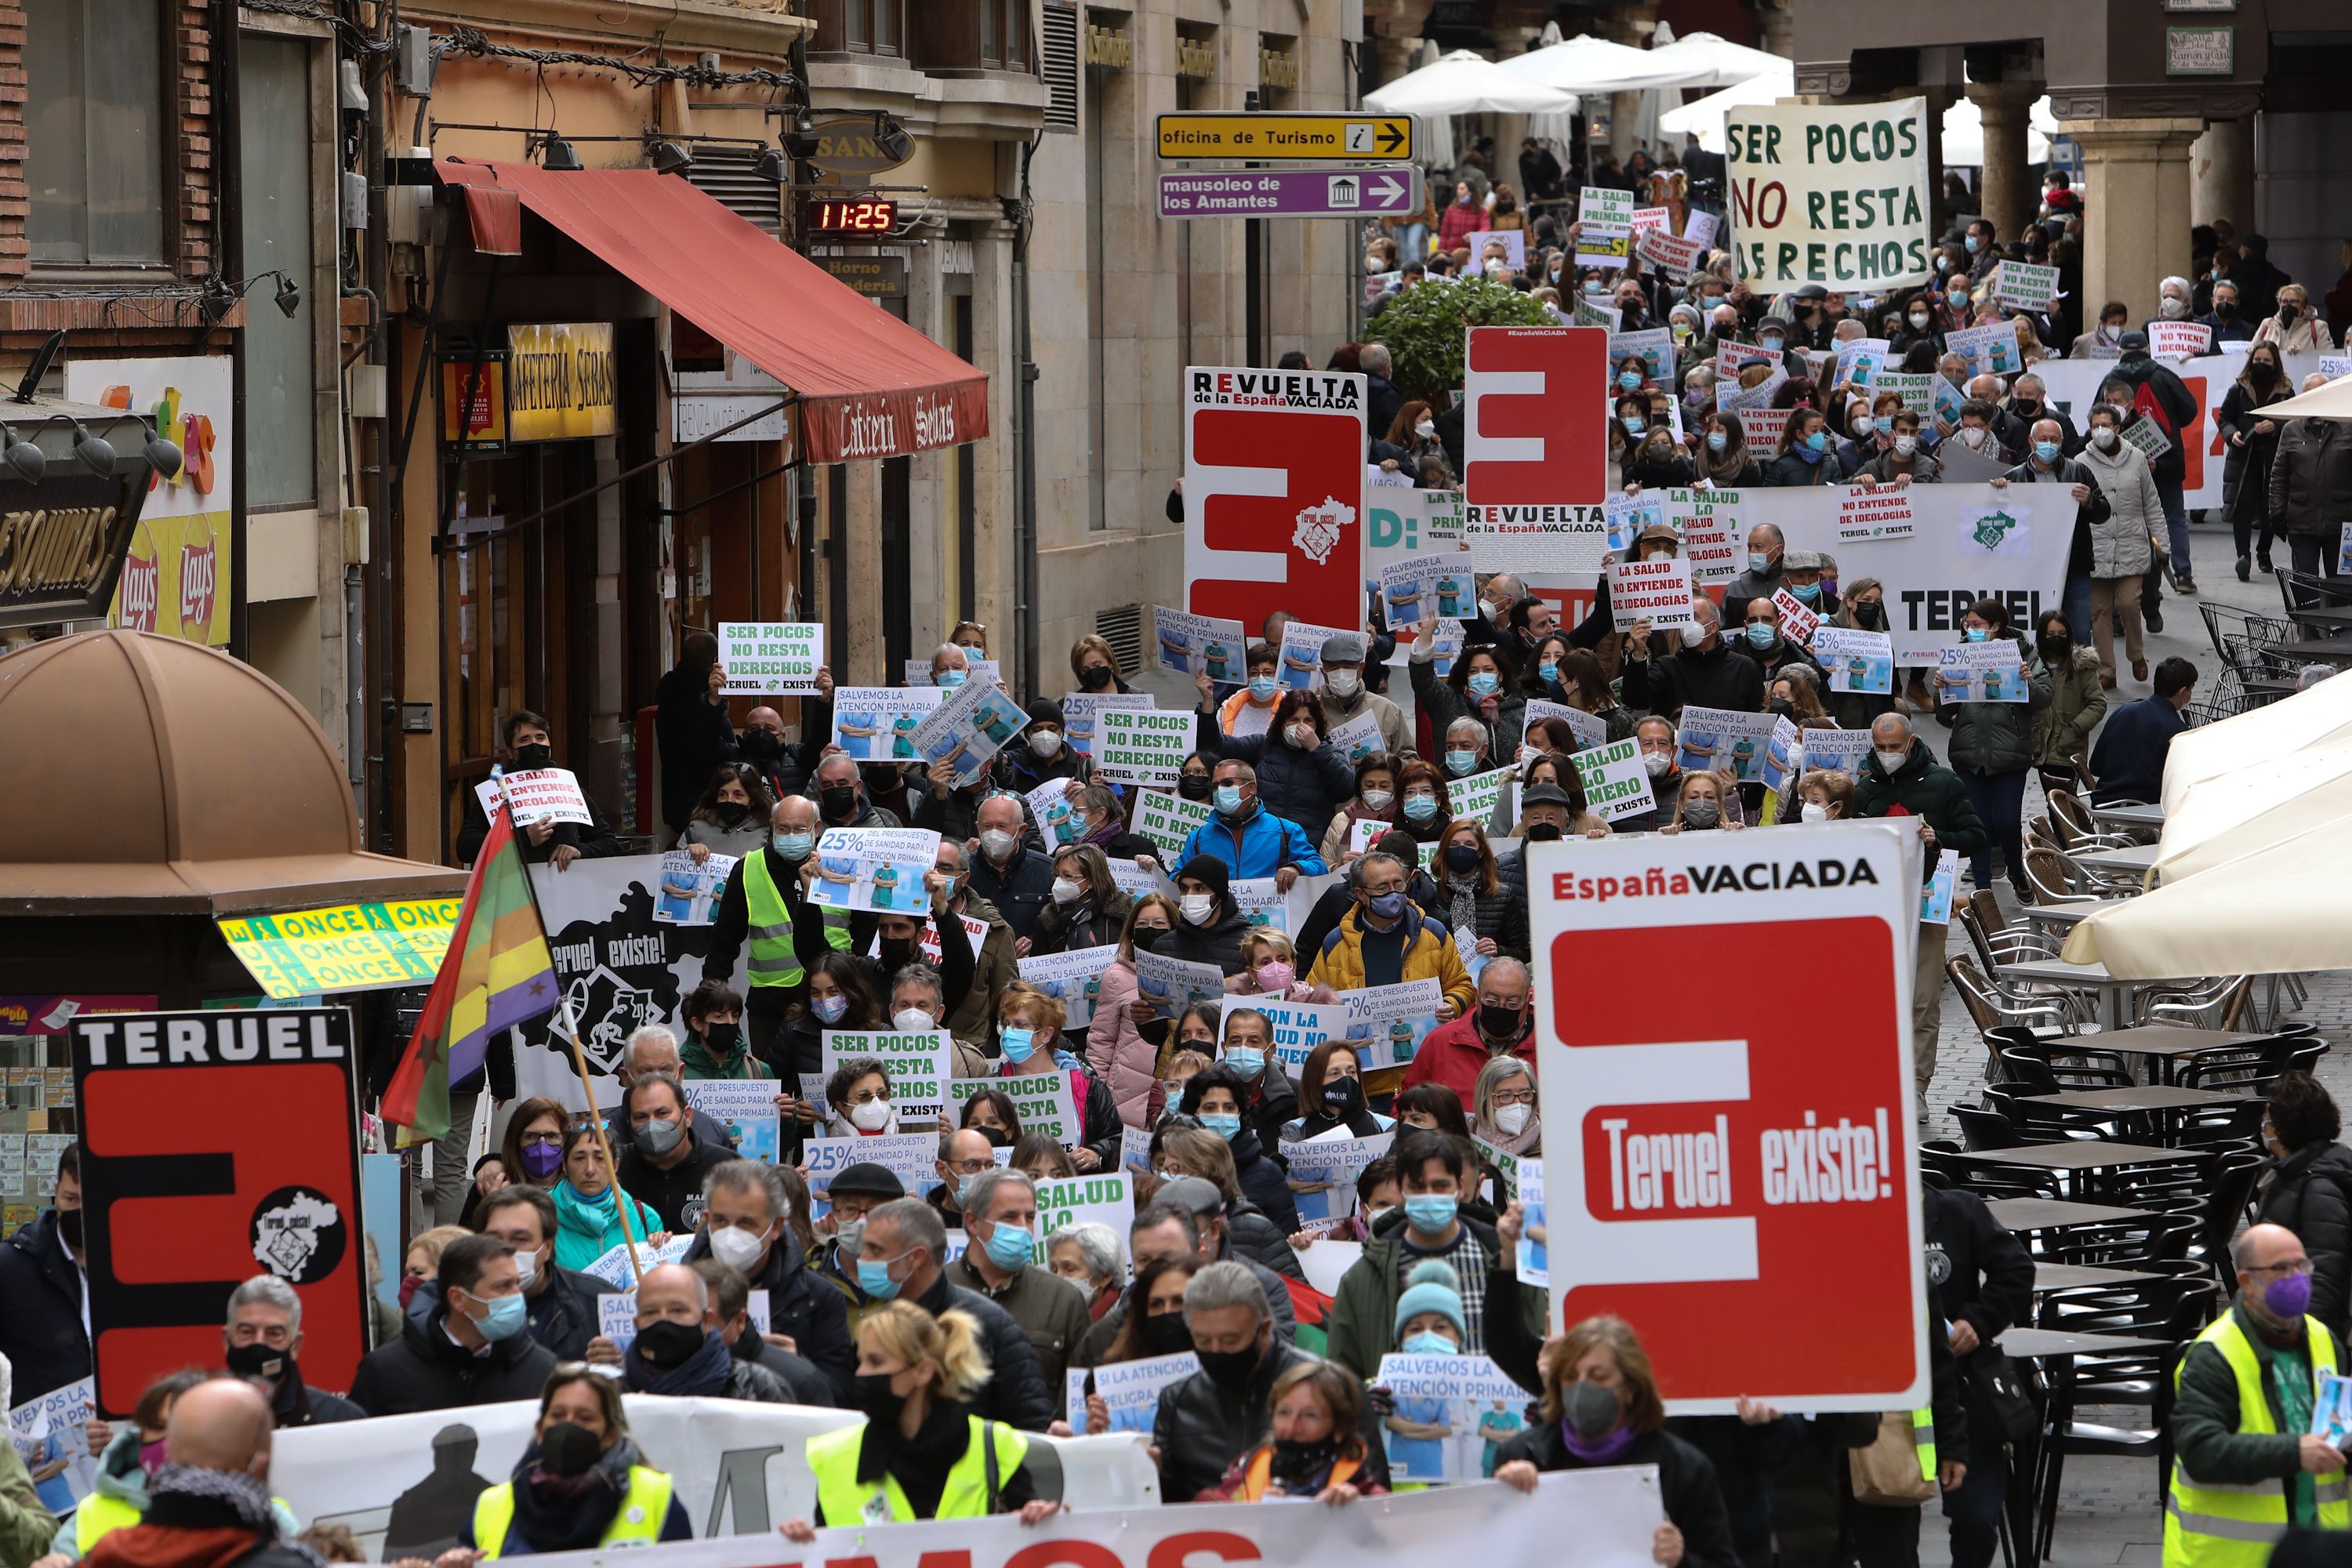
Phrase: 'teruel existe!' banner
x=1706 y=1155
x=1535 y=449
x=1274 y=487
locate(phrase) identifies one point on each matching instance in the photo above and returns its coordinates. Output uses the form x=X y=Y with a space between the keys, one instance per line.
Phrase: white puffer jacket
x=2119 y=546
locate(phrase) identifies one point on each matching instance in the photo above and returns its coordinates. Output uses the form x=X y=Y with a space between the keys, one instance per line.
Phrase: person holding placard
x=1482 y=687
x=1313 y=1447
x=1123 y=1040
x=1331 y=1090
x=1029 y=1030
x=2155 y=392
x=1473 y=901
x=1301 y=777
x=1992 y=742
x=529 y=747
x=1705 y=673
x=731 y=816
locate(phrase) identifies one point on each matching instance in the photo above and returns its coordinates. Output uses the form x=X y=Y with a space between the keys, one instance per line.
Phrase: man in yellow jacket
x=1385 y=940
x=2247 y=1464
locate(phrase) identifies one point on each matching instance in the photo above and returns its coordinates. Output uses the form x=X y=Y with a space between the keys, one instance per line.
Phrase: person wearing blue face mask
x=898 y=1260
x=1773 y=652
x=471 y=1347
x=1430 y=1321
x=1029 y=1030
x=1483 y=686
x=1248 y=710
x=1805 y=457
x=1438 y=1221
x=1228 y=1103
x=2047 y=464
x=1003 y=1263
x=1465 y=754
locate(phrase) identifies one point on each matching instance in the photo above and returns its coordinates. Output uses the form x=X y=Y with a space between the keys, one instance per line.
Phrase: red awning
x=870 y=385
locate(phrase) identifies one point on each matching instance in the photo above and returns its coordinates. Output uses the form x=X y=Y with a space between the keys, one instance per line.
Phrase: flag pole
x=570 y=1029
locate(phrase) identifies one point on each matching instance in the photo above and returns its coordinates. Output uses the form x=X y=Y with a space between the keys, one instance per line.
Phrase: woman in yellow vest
x=920 y=1453
x=581 y=1483
x=1312 y=1449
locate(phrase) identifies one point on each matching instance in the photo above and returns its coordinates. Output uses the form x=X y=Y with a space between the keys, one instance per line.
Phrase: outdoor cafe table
x=2084 y=1276
x=2150 y=1108
x=2163 y=1043
x=2337 y=651
x=2056 y=1214
x=2111 y=988
x=2077 y=1155
x=2035 y=1343
x=2136 y=858
x=2066 y=915
x=2129 y=816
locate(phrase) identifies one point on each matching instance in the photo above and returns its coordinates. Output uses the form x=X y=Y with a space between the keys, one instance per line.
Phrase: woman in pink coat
x=1116 y=1051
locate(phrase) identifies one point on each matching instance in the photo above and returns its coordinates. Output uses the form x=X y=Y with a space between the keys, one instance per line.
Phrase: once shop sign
x=62 y=539
x=559 y=381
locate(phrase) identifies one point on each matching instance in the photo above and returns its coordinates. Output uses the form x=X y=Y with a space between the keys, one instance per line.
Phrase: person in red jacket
x=1503 y=1020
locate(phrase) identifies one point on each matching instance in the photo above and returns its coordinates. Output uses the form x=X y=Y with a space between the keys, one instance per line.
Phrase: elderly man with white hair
x=1381 y=399
x=262 y=1342
x=653 y=1049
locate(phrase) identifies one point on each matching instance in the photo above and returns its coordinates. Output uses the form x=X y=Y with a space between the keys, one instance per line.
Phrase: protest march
x=1677 y=668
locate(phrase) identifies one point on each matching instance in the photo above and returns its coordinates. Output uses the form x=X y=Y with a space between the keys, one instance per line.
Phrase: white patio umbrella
x=1596 y=65
x=1724 y=62
x=2286 y=908
x=2226 y=816
x=2333 y=401
x=1466 y=83
x=1964 y=133
x=1704 y=118
x=2307 y=720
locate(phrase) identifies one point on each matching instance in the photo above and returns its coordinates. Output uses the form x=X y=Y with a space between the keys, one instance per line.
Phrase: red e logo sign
x=1274 y=487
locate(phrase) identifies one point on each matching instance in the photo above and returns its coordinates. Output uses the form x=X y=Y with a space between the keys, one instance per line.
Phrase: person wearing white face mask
x=1006 y=872
x=1504 y=1108
x=1208 y=928
x=1087 y=909
x=746 y=1224
x=561 y=1305
x=1901 y=771
x=859 y=1091
x=2120 y=550
x=1823 y=795
x=1344 y=698
x=1903 y=463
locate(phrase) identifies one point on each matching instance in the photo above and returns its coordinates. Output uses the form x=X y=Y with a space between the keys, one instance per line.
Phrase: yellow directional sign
x=1294 y=137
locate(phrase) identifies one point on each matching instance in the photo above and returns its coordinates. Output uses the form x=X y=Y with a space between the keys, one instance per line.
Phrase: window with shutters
x=1058 y=52
x=1122 y=627
x=730 y=176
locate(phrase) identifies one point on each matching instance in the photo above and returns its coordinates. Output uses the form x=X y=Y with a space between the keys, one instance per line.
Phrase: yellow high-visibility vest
x=636 y=1523
x=2216 y=1524
x=832 y=1460
x=773 y=961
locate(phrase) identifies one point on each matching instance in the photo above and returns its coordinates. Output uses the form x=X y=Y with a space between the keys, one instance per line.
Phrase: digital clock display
x=837 y=215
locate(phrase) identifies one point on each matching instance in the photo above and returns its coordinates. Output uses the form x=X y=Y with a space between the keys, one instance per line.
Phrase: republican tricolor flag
x=496 y=974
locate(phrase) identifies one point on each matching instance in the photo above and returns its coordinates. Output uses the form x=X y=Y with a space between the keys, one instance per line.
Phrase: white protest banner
x=1651 y=220
x=1866 y=514
x=1533 y=1264
x=616 y=1315
x=1628 y=515
x=745 y=1107
x=1616 y=784
x=1171 y=984
x=1414 y=525
x=1452 y=1412
x=1654 y=346
x=1475 y=796
x=1712 y=533
x=912 y=1157
x=1783 y=754
x=1534 y=453
x=771 y=659
x=690 y=887
x=1130 y=1390
x=2174 y=340
x=1657 y=590
x=1299 y=1026
x=969 y=726
x=1406 y=596
x=740 y=1471
x=1199 y=645
x=1323 y=1171
x=1142 y=745
x=1080 y=711
x=918 y=672
x=49 y=1435
x=2148 y=437
x=1073 y=978
x=1357 y=738
x=1168 y=820
x=1300 y=902
x=1042 y=1101
x=1699 y=227
x=917 y=1062
x=1858 y=359
x=537 y=795
x=612 y=1268
x=1540 y=709
x=1982 y=672
x=1703 y=1173
x=1656 y=244
x=1948 y=400
x=881 y=869
x=1274 y=481
x=1836 y=751
x=1857 y=660
x=1914 y=389
x=2022 y=286
x=1301 y=668
x=1990 y=351
x=1830 y=193
x=1797 y=621
x=1605 y=226
x=1392 y=1020
x=1105 y=1197
x=1593 y=313
x=1712 y=738
x=875 y=723
x=1134 y=1149
x=1935 y=897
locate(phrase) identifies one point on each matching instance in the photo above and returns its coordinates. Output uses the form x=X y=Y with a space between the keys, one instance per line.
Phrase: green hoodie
x=696 y=1058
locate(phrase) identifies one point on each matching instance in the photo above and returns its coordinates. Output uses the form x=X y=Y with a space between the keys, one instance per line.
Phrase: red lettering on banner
x=1174 y=1550
x=1322 y=458
x=1077 y=1553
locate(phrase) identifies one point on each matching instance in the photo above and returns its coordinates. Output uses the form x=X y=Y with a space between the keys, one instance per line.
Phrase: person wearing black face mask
x=678 y=1348
x=41 y=1267
x=1331 y=1091
x=581 y=1483
x=714 y=1046
x=1502 y=1024
x=262 y=1342
x=1198 y=777
x=530 y=746
x=1861 y=607
x=731 y=817
x=1095 y=665
x=841 y=798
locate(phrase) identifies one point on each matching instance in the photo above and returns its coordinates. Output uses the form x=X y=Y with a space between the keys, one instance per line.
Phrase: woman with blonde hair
x=1095 y=665
x=2297 y=328
x=1601 y=1408
x=1313 y=1447
x=1701 y=803
x=921 y=1452
x=1270 y=968
x=1123 y=1041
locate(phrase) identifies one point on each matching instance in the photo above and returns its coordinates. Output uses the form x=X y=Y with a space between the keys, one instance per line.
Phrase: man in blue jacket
x=2128 y=761
x=1251 y=840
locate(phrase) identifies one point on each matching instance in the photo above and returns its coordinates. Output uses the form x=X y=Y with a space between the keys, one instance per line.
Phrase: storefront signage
x=179 y=578
x=861 y=144
x=2200 y=51
x=347 y=947
x=874 y=277
x=63 y=537
x=559 y=381
x=474 y=401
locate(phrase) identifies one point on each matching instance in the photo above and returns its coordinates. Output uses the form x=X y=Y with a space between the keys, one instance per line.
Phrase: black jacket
x=1788 y=471
x=676 y=1193
x=564 y=1316
x=693 y=735
x=2098 y=509
x=1981 y=1275
x=803 y=1308
x=1020 y=892
x=594 y=841
x=1015 y=1392
x=1252 y=1235
x=1220 y=944
x=1687 y=1485
x=425 y=1370
x=2310 y=1193
x=1203 y=1425
x=1923 y=788
x=2161 y=395
x=1265 y=1181
x=40 y=1311
x=1748 y=1460
x=731 y=922
x=1722 y=677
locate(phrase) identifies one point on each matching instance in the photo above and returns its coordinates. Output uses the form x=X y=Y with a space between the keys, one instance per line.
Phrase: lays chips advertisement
x=177 y=579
